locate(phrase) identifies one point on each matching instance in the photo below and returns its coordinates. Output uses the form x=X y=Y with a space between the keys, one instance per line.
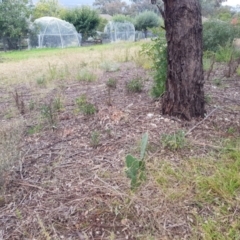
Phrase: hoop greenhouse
x=53 y=32
x=120 y=31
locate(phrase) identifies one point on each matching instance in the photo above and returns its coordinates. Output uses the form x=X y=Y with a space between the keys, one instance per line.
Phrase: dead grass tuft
x=11 y=134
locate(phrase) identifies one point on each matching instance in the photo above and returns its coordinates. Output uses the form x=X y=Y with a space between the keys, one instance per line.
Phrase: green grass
x=135 y=85
x=238 y=71
x=19 y=55
x=224 y=54
x=208 y=187
x=60 y=64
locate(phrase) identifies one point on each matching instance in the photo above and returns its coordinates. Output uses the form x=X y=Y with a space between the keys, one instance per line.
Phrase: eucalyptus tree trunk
x=184 y=95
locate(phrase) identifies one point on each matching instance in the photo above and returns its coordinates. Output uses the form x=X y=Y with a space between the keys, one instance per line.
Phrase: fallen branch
x=201 y=121
x=34 y=186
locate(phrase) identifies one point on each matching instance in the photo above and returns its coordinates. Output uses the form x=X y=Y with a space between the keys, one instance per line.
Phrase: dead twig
x=191 y=129
x=34 y=186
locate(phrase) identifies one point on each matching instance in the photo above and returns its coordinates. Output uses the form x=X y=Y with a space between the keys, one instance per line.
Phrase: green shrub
x=41 y=81
x=111 y=83
x=86 y=75
x=135 y=85
x=174 y=141
x=218 y=33
x=226 y=53
x=49 y=113
x=95 y=139
x=84 y=106
x=157 y=53
x=145 y=20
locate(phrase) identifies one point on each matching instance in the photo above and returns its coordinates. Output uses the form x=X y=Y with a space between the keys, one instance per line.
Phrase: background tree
x=146 y=20
x=224 y=13
x=139 y=6
x=209 y=7
x=14 y=24
x=50 y=8
x=122 y=18
x=111 y=7
x=103 y=22
x=217 y=34
x=84 y=19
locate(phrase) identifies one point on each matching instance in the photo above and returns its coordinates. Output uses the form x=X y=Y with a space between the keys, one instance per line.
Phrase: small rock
x=149 y=115
x=166 y=120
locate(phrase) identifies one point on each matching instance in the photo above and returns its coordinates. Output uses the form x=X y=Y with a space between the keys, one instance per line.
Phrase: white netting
x=54 y=32
x=120 y=31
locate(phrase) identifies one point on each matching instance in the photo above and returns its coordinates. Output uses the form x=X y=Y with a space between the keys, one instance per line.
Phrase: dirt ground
x=70 y=182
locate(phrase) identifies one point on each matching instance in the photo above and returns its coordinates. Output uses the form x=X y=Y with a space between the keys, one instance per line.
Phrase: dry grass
x=70 y=181
x=11 y=133
x=64 y=64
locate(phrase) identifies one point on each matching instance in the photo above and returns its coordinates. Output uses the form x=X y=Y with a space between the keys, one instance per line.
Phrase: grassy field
x=31 y=65
x=69 y=119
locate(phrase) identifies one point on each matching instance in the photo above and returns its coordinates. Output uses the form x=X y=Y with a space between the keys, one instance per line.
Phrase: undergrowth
x=10 y=138
x=156 y=51
x=209 y=188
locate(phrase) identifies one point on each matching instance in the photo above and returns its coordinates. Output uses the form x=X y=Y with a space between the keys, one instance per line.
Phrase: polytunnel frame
x=51 y=34
x=114 y=29
x=41 y=36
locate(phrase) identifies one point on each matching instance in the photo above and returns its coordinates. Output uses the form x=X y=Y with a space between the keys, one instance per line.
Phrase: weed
x=86 y=76
x=95 y=138
x=206 y=64
x=49 y=112
x=238 y=71
x=111 y=83
x=125 y=57
x=41 y=81
x=9 y=114
x=81 y=100
x=83 y=64
x=109 y=66
x=44 y=231
x=57 y=104
x=109 y=132
x=207 y=98
x=84 y=106
x=135 y=85
x=52 y=69
x=226 y=54
x=217 y=82
x=31 y=105
x=174 y=141
x=231 y=130
x=142 y=60
x=19 y=102
x=136 y=167
x=88 y=109
x=34 y=129
x=18 y=213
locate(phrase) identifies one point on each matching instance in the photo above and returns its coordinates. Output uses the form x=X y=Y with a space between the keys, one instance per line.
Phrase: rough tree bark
x=184 y=95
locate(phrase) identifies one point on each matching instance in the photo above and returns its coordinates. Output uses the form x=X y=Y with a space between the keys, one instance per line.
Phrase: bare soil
x=71 y=184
